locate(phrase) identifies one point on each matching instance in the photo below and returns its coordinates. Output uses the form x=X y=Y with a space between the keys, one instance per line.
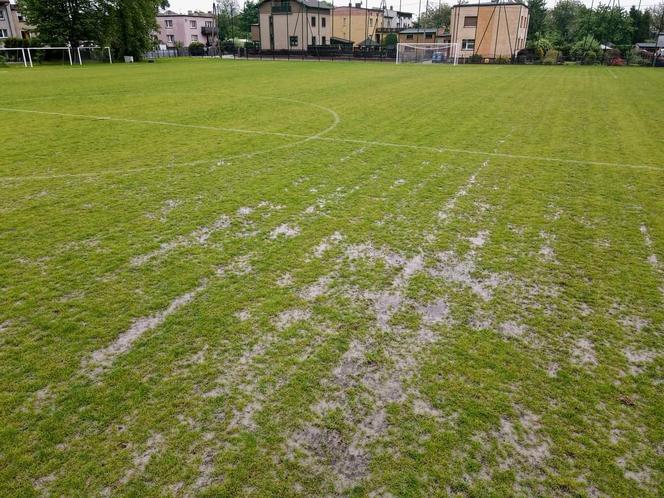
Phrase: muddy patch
x=451 y=268
x=327 y=243
x=285 y=230
x=583 y=352
x=287 y=318
x=103 y=358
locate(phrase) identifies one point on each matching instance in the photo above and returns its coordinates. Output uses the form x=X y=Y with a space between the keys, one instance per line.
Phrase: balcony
x=209 y=31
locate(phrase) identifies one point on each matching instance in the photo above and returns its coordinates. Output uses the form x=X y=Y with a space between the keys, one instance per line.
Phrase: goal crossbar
x=428 y=53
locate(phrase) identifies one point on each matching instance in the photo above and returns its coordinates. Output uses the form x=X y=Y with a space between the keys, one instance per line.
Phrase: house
x=395 y=20
x=357 y=23
x=8 y=26
x=186 y=28
x=294 y=25
x=418 y=35
x=24 y=29
x=490 y=30
x=653 y=47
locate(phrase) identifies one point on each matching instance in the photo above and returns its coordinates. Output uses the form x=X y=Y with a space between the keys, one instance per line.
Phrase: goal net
x=428 y=53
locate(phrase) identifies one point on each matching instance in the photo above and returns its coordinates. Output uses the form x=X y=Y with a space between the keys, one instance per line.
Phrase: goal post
x=16 y=56
x=428 y=53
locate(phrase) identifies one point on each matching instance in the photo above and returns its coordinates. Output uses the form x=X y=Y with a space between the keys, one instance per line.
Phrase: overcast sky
x=407 y=5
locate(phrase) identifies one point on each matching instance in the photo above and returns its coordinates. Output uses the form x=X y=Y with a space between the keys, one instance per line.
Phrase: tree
x=610 y=24
x=537 y=11
x=227 y=19
x=438 y=16
x=248 y=16
x=390 y=40
x=657 y=18
x=640 y=23
x=130 y=24
x=61 y=22
x=565 y=20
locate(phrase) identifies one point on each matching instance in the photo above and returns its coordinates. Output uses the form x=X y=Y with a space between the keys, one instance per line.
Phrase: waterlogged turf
x=246 y=278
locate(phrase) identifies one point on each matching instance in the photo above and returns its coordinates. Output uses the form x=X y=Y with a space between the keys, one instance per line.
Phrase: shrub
x=587 y=50
x=196 y=49
x=503 y=60
x=552 y=56
x=3 y=62
x=541 y=46
x=475 y=58
x=16 y=43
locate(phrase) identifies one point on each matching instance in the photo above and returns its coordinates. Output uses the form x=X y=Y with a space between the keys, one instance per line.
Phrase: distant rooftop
x=191 y=13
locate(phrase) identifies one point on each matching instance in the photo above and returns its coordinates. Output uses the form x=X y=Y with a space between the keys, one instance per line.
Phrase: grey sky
x=407 y=5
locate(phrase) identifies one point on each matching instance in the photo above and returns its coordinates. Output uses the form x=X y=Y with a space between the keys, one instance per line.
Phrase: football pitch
x=223 y=278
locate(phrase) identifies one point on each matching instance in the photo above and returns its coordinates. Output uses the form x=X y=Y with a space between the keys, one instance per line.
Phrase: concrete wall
x=182 y=30
x=500 y=31
x=357 y=24
x=276 y=35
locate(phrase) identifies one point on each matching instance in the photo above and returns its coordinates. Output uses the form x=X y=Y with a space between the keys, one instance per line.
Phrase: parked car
x=438 y=57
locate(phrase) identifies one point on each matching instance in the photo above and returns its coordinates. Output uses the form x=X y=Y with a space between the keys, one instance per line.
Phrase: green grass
x=449 y=280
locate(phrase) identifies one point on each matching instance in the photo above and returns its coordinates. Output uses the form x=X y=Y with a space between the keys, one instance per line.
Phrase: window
x=313 y=21
x=3 y=33
x=2 y=15
x=323 y=40
x=344 y=21
x=293 y=41
x=470 y=21
x=371 y=21
x=192 y=24
x=468 y=44
x=208 y=24
x=322 y=24
x=428 y=35
x=170 y=38
x=409 y=37
x=168 y=23
x=194 y=37
x=313 y=40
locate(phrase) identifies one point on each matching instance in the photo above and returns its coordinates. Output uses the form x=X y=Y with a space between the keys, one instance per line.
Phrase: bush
x=475 y=58
x=541 y=46
x=196 y=49
x=587 y=50
x=3 y=62
x=552 y=56
x=503 y=60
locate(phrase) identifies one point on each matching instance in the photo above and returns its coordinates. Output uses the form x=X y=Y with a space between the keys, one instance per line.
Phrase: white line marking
x=612 y=73
x=303 y=139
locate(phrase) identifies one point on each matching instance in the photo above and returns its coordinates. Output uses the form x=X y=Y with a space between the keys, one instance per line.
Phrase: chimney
x=358 y=5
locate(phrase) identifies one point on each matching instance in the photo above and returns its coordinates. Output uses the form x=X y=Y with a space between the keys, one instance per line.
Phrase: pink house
x=186 y=28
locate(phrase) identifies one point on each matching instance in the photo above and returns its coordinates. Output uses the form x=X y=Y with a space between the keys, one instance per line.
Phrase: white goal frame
x=18 y=49
x=69 y=53
x=451 y=50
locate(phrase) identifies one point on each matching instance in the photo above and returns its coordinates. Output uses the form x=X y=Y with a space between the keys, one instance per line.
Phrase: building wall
x=394 y=19
x=357 y=24
x=7 y=26
x=298 y=23
x=419 y=38
x=500 y=30
x=182 y=30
